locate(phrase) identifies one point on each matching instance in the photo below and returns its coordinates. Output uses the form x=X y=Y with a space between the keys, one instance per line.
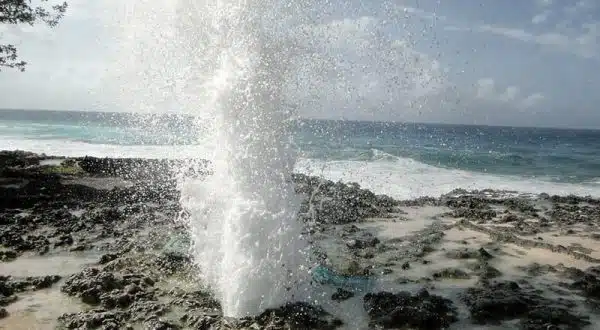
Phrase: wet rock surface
x=509 y=300
x=293 y=316
x=331 y=202
x=123 y=219
x=404 y=310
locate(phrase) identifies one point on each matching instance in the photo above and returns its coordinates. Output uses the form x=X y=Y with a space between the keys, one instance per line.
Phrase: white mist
x=247 y=240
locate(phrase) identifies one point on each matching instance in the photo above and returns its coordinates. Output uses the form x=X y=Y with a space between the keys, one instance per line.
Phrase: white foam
x=401 y=178
x=405 y=178
x=56 y=147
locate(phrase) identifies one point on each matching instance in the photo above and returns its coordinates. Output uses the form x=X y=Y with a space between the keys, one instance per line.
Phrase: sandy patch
x=519 y=256
x=579 y=242
x=414 y=219
x=39 y=310
x=49 y=265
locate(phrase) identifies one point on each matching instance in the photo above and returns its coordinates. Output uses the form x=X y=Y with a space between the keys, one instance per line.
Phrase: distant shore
x=95 y=243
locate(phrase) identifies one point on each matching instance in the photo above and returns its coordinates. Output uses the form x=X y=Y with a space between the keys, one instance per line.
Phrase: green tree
x=15 y=12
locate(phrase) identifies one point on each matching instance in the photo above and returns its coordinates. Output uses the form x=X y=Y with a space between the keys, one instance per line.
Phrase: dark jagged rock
x=420 y=201
x=197 y=300
x=519 y=204
x=451 y=273
x=138 y=168
x=45 y=189
x=11 y=286
x=107 y=215
x=96 y=287
x=361 y=240
x=510 y=218
x=339 y=203
x=546 y=317
x=8 y=255
x=474 y=214
x=462 y=253
x=94 y=319
x=106 y=258
x=142 y=311
x=587 y=281
x=468 y=202
x=34 y=282
x=467 y=253
x=573 y=200
x=171 y=262
x=486 y=272
x=7 y=300
x=341 y=295
x=484 y=255
x=18 y=158
x=146 y=310
x=161 y=325
x=201 y=321
x=507 y=300
x=293 y=316
x=500 y=301
x=403 y=310
x=536 y=269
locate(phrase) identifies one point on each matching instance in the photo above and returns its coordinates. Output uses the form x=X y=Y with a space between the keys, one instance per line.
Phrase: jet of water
x=243 y=218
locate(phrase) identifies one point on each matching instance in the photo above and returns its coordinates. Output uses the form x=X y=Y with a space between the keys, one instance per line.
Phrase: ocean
x=403 y=160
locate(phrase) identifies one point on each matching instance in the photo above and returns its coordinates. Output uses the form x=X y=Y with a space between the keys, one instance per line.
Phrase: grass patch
x=65 y=168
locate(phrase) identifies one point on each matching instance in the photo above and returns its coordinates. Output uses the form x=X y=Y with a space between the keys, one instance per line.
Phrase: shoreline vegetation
x=88 y=243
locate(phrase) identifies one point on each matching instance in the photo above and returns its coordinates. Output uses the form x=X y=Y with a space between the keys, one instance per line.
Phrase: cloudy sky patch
x=531 y=62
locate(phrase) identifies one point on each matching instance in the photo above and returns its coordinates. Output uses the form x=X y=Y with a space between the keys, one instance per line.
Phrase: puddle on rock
x=62 y=265
x=52 y=162
x=39 y=310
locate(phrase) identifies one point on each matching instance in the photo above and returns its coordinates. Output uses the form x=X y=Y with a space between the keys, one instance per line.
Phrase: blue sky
x=511 y=62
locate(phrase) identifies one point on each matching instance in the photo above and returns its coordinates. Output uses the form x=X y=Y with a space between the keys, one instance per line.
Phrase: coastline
x=87 y=243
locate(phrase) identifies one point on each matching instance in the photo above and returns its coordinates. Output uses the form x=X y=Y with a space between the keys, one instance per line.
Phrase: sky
x=522 y=63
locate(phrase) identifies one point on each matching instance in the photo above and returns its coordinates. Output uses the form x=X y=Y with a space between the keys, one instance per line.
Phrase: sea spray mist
x=243 y=218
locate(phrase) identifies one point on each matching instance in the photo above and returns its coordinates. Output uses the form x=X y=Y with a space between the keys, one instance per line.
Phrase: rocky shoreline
x=87 y=243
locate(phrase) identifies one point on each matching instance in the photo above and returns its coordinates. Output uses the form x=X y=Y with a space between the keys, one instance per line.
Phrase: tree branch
x=23 y=12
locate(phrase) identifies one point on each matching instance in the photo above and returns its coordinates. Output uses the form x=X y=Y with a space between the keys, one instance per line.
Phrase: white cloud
x=355 y=69
x=411 y=11
x=543 y=3
x=485 y=89
x=572 y=34
x=531 y=101
x=454 y=28
x=485 y=103
x=541 y=17
x=66 y=64
x=584 y=44
x=579 y=6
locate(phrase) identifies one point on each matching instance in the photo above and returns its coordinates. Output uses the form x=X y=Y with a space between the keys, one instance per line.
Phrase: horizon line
x=378 y=121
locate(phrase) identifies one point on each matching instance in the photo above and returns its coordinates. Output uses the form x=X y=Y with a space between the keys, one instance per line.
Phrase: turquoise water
x=555 y=155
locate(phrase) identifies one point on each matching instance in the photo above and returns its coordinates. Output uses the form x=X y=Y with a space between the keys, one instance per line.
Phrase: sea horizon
x=376 y=121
